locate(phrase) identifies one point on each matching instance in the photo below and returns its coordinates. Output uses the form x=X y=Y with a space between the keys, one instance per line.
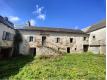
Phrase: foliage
x=16 y=43
x=83 y=66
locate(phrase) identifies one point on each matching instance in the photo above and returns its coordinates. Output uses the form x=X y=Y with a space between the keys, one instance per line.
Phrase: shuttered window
x=4 y=34
x=7 y=36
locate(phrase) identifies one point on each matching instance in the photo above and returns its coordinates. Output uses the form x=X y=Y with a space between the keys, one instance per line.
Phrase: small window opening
x=30 y=38
x=58 y=39
x=58 y=49
x=71 y=40
x=93 y=37
x=84 y=38
x=75 y=49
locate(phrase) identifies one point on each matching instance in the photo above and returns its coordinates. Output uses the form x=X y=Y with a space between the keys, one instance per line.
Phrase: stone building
x=52 y=41
x=42 y=40
x=97 y=37
x=6 y=37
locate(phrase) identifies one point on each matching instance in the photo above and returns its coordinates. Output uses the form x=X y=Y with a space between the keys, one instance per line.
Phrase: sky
x=74 y=14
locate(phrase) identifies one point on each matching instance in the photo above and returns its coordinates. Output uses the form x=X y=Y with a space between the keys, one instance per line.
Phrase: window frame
x=85 y=38
x=7 y=36
x=31 y=38
x=4 y=35
x=71 y=40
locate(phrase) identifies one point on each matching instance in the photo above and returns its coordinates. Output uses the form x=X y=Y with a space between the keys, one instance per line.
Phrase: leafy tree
x=16 y=43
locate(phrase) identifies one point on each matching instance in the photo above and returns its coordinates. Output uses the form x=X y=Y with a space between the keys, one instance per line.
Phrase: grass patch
x=11 y=66
x=69 y=66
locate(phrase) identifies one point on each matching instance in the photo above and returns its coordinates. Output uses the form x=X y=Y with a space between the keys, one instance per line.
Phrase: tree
x=16 y=43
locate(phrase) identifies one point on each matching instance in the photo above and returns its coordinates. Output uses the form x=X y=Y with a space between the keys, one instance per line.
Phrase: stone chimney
x=29 y=24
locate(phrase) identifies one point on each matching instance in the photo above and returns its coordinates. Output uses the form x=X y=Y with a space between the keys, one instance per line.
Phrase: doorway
x=33 y=51
x=85 y=48
x=68 y=49
x=5 y=52
x=43 y=40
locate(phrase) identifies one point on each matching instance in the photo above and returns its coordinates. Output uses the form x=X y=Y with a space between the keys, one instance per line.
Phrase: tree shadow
x=11 y=66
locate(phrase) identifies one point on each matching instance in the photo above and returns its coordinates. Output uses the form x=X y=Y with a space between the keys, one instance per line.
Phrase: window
x=84 y=38
x=12 y=36
x=93 y=37
x=32 y=51
x=71 y=40
x=58 y=39
x=75 y=49
x=7 y=36
x=30 y=38
x=4 y=34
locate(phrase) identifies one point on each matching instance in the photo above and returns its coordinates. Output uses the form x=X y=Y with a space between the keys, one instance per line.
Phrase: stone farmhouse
x=52 y=41
x=42 y=40
x=6 y=37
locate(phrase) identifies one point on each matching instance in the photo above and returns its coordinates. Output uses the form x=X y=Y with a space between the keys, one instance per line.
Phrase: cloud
x=76 y=27
x=39 y=12
x=14 y=18
x=39 y=9
x=42 y=16
x=32 y=21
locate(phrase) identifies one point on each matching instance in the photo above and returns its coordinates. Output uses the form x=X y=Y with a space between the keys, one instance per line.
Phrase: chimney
x=29 y=24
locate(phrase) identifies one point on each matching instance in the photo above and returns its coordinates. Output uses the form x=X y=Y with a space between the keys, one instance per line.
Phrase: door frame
x=43 y=40
x=33 y=51
x=85 y=48
x=68 y=49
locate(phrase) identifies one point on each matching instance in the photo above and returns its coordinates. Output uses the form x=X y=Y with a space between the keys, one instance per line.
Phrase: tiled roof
x=5 y=21
x=97 y=26
x=34 y=28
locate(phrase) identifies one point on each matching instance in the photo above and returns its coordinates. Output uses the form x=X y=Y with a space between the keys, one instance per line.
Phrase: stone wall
x=51 y=44
x=5 y=43
x=6 y=46
x=97 y=41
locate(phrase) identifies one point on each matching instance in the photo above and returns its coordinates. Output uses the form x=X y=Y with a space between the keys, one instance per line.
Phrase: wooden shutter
x=4 y=35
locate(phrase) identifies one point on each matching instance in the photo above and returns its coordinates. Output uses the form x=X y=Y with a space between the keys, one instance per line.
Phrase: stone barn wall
x=51 y=46
x=97 y=41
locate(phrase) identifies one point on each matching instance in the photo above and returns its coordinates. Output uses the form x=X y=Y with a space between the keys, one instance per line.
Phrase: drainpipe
x=29 y=24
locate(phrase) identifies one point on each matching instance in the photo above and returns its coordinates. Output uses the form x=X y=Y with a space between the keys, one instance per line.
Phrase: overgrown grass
x=11 y=66
x=69 y=66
